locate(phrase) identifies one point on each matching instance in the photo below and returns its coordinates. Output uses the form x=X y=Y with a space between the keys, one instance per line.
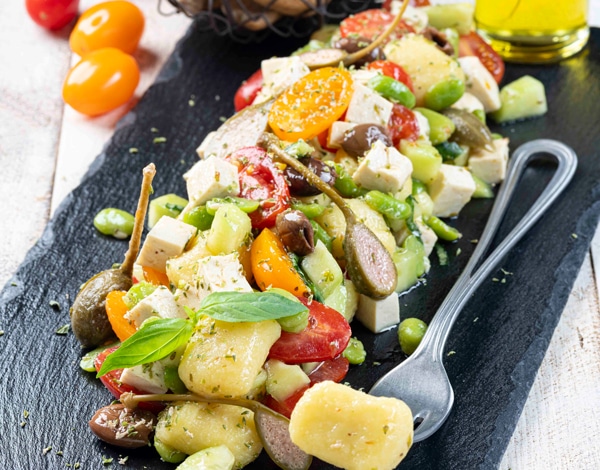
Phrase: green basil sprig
x=159 y=337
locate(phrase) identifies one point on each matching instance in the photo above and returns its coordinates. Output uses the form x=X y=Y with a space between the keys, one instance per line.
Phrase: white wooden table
x=46 y=147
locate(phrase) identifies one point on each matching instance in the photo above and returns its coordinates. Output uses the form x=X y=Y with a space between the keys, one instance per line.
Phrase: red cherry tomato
x=52 y=14
x=333 y=369
x=325 y=337
x=474 y=44
x=246 y=93
x=387 y=5
x=403 y=124
x=371 y=23
x=112 y=381
x=261 y=180
x=393 y=70
x=102 y=81
x=116 y=24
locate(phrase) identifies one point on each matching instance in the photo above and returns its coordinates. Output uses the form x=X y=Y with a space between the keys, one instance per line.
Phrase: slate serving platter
x=497 y=344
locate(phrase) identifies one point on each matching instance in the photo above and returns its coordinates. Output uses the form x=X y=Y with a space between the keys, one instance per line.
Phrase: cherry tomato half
x=403 y=124
x=311 y=104
x=387 y=4
x=52 y=14
x=102 y=81
x=112 y=381
x=116 y=24
x=371 y=23
x=393 y=70
x=325 y=337
x=246 y=93
x=333 y=369
x=261 y=180
x=474 y=44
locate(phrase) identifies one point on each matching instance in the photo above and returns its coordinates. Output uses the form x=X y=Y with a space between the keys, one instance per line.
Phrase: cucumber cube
x=170 y=205
x=521 y=99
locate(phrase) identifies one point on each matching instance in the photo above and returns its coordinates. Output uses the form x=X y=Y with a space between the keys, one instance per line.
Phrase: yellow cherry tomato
x=102 y=81
x=312 y=104
x=117 y=24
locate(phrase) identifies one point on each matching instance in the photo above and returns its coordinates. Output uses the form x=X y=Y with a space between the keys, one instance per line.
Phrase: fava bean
x=172 y=380
x=199 y=218
x=114 y=222
x=246 y=205
x=387 y=205
x=393 y=90
x=319 y=233
x=346 y=185
x=444 y=93
x=483 y=190
x=87 y=361
x=310 y=210
x=138 y=292
x=410 y=334
x=294 y=323
x=442 y=229
x=355 y=352
x=440 y=126
x=168 y=453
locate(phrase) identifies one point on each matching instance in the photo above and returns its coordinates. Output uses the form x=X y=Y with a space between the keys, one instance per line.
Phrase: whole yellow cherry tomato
x=117 y=24
x=102 y=81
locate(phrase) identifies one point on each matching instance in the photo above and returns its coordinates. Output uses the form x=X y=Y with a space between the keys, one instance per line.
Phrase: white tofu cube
x=490 y=166
x=167 y=239
x=378 y=315
x=278 y=74
x=450 y=190
x=428 y=236
x=383 y=168
x=221 y=273
x=362 y=76
x=210 y=178
x=160 y=303
x=424 y=127
x=368 y=107
x=468 y=102
x=337 y=132
x=480 y=83
x=148 y=378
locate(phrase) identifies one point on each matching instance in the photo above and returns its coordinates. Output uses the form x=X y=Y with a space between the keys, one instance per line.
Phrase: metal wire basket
x=248 y=20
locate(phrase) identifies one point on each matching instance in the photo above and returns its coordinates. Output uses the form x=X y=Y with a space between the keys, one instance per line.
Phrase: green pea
x=410 y=334
x=355 y=352
x=246 y=205
x=199 y=218
x=388 y=205
x=393 y=90
x=138 y=292
x=173 y=381
x=442 y=229
x=319 y=233
x=311 y=210
x=444 y=94
x=114 y=222
x=168 y=453
x=87 y=361
x=440 y=126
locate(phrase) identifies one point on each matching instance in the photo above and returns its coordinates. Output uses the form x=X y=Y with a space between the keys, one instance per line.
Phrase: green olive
x=410 y=334
x=114 y=222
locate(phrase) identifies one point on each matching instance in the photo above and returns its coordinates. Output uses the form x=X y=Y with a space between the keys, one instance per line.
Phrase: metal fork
x=421 y=380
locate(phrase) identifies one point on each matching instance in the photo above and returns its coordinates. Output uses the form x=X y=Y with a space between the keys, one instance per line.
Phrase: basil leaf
x=249 y=306
x=153 y=341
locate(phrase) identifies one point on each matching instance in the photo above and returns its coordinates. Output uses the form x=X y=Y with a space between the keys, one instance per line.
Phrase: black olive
x=297 y=182
x=122 y=426
x=353 y=44
x=296 y=232
x=360 y=138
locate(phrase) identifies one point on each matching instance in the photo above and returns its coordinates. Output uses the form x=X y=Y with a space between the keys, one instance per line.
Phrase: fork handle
x=438 y=331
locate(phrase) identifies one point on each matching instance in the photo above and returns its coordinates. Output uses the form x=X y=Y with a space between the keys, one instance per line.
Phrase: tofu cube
x=149 y=377
x=383 y=168
x=450 y=190
x=468 y=102
x=337 y=132
x=378 y=315
x=160 y=303
x=210 y=178
x=362 y=76
x=368 y=107
x=428 y=236
x=167 y=239
x=350 y=429
x=480 y=83
x=490 y=166
x=220 y=273
x=424 y=127
x=278 y=74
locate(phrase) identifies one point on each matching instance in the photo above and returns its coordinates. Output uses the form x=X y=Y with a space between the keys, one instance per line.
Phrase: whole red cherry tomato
x=474 y=44
x=403 y=124
x=116 y=24
x=261 y=180
x=52 y=14
x=371 y=23
x=246 y=93
x=393 y=70
x=102 y=81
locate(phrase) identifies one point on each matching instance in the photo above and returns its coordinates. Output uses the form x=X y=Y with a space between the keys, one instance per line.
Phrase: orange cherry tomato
x=116 y=24
x=154 y=276
x=116 y=310
x=311 y=104
x=102 y=81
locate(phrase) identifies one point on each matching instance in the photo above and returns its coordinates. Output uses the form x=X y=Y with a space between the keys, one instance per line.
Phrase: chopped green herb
x=46 y=450
x=159 y=140
x=123 y=460
x=106 y=460
x=54 y=304
x=154 y=130
x=442 y=254
x=63 y=330
x=133 y=150
x=574 y=235
x=1 y=332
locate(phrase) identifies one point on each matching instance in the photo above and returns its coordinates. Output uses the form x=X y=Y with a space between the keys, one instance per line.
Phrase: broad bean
x=114 y=222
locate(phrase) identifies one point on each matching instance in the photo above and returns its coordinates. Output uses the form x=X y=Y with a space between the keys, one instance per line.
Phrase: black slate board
x=498 y=342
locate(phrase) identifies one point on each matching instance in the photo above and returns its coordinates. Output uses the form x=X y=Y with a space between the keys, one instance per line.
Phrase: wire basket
x=252 y=20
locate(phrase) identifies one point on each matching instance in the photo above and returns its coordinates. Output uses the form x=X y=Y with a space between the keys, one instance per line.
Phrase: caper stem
x=140 y=215
x=130 y=400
